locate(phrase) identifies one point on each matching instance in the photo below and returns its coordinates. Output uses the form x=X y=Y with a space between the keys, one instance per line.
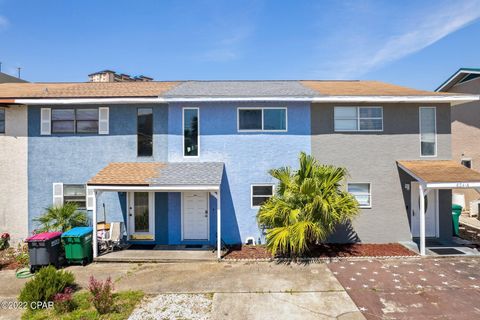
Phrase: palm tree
x=307 y=206
x=61 y=218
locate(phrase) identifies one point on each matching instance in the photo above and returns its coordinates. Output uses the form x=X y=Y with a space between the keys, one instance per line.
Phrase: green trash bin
x=456 y=212
x=78 y=245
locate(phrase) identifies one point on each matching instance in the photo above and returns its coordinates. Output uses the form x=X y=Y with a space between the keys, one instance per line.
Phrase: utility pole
x=19 y=70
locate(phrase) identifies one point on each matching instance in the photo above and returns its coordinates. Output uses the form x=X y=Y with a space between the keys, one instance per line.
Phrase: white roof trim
x=124 y=188
x=422 y=99
x=449 y=81
x=453 y=185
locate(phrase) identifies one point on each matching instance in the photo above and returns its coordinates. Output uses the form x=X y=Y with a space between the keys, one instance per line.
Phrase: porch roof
x=159 y=174
x=441 y=173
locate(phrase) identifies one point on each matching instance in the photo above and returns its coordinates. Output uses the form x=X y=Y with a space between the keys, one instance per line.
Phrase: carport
x=435 y=175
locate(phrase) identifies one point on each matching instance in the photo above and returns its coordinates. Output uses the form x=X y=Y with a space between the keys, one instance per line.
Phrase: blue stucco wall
x=74 y=159
x=247 y=156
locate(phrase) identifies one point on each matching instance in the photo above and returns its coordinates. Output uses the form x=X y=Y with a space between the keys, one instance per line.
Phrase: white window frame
x=183 y=132
x=263 y=120
x=420 y=131
x=262 y=196
x=75 y=131
x=369 y=194
x=358 y=119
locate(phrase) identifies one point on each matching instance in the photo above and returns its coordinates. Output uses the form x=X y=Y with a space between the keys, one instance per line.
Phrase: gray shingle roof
x=240 y=89
x=189 y=173
x=4 y=78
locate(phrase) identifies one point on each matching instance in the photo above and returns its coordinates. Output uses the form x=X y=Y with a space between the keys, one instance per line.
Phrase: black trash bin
x=44 y=249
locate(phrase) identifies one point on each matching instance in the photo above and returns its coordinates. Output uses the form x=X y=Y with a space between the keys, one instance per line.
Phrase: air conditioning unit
x=474 y=208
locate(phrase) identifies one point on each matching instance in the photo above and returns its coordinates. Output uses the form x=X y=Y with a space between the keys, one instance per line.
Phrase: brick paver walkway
x=444 y=288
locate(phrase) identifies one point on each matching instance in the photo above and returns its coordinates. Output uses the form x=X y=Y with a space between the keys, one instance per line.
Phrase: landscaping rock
x=174 y=306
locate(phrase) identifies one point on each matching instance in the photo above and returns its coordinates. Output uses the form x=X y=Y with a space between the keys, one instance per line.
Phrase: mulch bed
x=327 y=251
x=7 y=260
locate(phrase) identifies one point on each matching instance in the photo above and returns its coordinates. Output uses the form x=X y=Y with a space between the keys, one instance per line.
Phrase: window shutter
x=90 y=195
x=103 y=116
x=45 y=121
x=58 y=194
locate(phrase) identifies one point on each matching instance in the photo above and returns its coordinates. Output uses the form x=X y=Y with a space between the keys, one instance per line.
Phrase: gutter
x=392 y=99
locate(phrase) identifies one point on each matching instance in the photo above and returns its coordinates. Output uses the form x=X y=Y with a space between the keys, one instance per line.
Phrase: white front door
x=195 y=216
x=141 y=213
x=431 y=212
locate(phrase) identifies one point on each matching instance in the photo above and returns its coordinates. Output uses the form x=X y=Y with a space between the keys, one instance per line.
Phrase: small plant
x=4 y=238
x=46 y=284
x=21 y=255
x=61 y=218
x=63 y=302
x=102 y=294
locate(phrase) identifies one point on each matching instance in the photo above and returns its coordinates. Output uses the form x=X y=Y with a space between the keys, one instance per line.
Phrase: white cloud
x=421 y=30
x=4 y=23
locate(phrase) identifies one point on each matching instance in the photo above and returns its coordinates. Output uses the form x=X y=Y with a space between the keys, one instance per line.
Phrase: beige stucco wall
x=466 y=132
x=13 y=174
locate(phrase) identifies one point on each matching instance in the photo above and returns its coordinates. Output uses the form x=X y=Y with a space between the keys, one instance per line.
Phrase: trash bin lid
x=44 y=236
x=77 y=232
x=456 y=207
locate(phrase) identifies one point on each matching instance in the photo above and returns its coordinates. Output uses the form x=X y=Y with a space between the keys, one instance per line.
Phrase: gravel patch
x=174 y=306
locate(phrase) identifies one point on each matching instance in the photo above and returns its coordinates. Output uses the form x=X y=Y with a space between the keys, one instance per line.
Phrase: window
x=261 y=193
x=262 y=119
x=428 y=134
x=361 y=192
x=358 y=118
x=467 y=163
x=74 y=120
x=87 y=120
x=2 y=120
x=190 y=132
x=75 y=193
x=144 y=132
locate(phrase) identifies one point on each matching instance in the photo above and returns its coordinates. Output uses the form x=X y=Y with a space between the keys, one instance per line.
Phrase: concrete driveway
x=443 y=288
x=239 y=290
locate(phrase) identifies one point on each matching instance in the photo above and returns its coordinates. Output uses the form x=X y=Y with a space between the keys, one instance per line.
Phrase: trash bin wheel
x=84 y=261
x=32 y=269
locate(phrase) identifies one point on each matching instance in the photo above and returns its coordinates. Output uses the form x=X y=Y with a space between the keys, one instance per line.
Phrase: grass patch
x=125 y=302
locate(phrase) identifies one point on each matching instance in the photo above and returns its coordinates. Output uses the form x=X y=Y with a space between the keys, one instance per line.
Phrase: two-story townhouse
x=183 y=162
x=13 y=167
x=465 y=119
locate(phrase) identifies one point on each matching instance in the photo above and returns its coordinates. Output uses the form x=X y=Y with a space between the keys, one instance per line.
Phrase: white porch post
x=219 y=227
x=422 y=218
x=94 y=221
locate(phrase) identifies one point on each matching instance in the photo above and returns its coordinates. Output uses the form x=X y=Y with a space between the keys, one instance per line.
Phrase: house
x=465 y=128
x=13 y=167
x=112 y=76
x=186 y=163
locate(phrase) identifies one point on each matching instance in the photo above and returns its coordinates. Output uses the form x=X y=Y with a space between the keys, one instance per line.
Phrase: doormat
x=446 y=251
x=141 y=247
x=194 y=246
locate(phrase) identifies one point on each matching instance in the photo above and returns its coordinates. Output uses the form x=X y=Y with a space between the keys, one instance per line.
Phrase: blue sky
x=413 y=43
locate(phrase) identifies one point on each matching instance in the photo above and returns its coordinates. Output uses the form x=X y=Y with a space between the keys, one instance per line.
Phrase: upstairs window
x=75 y=193
x=262 y=119
x=190 y=132
x=260 y=194
x=2 y=120
x=428 y=132
x=358 y=118
x=144 y=132
x=74 y=120
x=467 y=163
x=362 y=193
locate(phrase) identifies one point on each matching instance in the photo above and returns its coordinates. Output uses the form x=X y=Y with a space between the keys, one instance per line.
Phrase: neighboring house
x=112 y=76
x=466 y=127
x=183 y=162
x=13 y=167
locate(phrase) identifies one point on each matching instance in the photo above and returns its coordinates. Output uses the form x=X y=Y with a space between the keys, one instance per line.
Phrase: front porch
x=167 y=207
x=426 y=219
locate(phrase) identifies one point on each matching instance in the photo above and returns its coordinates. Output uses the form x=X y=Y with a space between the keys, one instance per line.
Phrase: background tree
x=307 y=206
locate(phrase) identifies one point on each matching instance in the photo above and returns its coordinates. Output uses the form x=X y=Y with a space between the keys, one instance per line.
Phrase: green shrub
x=46 y=283
x=21 y=255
